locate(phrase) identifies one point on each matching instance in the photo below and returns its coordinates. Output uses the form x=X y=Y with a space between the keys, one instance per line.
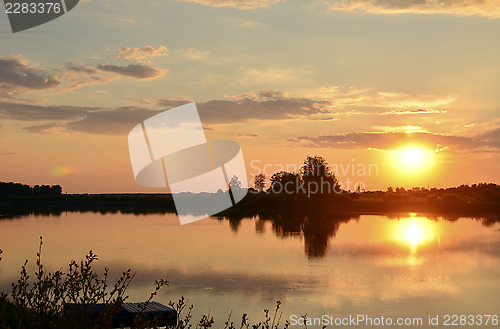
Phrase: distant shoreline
x=461 y=201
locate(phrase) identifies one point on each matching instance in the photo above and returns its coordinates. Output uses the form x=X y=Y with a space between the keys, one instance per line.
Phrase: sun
x=412 y=156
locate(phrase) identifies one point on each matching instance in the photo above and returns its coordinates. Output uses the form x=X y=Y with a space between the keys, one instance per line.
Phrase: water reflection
x=337 y=264
x=415 y=232
x=319 y=231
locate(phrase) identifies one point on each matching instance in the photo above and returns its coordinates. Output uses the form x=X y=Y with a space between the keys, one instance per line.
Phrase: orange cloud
x=141 y=54
x=240 y=4
x=487 y=8
x=395 y=140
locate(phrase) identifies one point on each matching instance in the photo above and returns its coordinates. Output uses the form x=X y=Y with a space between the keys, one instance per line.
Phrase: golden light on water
x=413 y=234
x=415 y=231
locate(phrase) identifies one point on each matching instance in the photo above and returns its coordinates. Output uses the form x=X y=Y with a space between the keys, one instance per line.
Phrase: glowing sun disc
x=413 y=157
x=413 y=234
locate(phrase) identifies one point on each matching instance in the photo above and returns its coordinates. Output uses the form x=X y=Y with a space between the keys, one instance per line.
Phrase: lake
x=406 y=266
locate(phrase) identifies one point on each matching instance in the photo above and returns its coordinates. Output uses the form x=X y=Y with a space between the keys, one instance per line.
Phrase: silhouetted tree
x=55 y=190
x=234 y=183
x=317 y=177
x=17 y=189
x=286 y=182
x=260 y=182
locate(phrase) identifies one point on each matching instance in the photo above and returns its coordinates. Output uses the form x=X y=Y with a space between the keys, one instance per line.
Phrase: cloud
x=173 y=102
x=487 y=8
x=391 y=141
x=264 y=105
x=16 y=72
x=42 y=129
x=240 y=4
x=117 y=121
x=418 y=111
x=226 y=111
x=77 y=75
x=16 y=76
x=492 y=137
x=141 y=54
x=248 y=135
x=93 y=120
x=28 y=112
x=257 y=107
x=137 y=71
x=261 y=105
x=81 y=68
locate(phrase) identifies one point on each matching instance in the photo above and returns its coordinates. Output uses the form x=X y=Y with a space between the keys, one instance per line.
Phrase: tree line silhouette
x=18 y=189
x=314 y=189
x=314 y=177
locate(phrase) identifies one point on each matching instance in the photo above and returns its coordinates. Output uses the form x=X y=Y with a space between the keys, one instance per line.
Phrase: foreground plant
x=43 y=302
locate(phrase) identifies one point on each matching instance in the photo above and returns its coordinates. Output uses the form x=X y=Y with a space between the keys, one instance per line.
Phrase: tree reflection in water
x=317 y=230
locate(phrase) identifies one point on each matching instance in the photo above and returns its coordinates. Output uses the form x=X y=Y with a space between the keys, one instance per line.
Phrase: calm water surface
x=407 y=266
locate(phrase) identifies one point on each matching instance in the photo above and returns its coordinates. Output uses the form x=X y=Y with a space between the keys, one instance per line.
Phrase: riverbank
x=472 y=201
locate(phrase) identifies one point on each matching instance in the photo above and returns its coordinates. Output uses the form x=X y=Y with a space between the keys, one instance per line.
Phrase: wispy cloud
x=137 y=71
x=411 y=112
x=488 y=8
x=262 y=105
x=240 y=4
x=118 y=121
x=397 y=140
x=252 y=106
x=77 y=75
x=141 y=54
x=18 y=75
x=33 y=113
x=43 y=129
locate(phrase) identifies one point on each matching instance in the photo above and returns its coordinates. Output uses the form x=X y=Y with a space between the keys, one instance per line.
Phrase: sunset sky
x=409 y=89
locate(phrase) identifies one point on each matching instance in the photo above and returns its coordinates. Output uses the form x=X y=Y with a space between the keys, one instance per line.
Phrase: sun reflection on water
x=415 y=233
